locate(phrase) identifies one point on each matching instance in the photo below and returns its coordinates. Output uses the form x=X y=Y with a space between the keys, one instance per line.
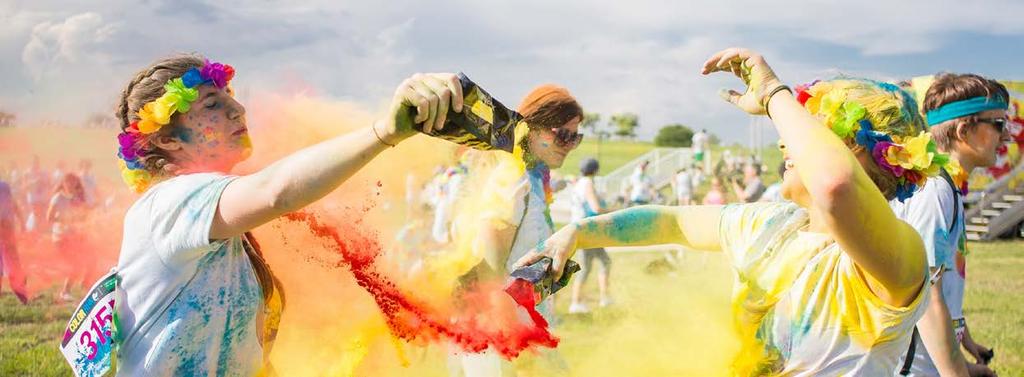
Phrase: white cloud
x=641 y=56
x=53 y=45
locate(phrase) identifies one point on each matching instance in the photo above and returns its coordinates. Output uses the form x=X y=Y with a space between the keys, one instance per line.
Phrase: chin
x=555 y=164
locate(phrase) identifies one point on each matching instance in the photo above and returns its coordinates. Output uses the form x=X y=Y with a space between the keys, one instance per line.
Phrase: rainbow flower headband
x=911 y=159
x=179 y=93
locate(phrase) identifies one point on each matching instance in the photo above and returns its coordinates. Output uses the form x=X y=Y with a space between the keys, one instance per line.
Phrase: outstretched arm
x=309 y=174
x=694 y=227
x=852 y=208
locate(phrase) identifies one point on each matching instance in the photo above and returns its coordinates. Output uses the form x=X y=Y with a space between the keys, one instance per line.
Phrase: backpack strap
x=956 y=197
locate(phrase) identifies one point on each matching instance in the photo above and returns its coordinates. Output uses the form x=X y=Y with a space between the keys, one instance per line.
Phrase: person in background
x=641 y=189
x=967 y=117
x=88 y=182
x=587 y=203
x=66 y=214
x=752 y=188
x=36 y=186
x=10 y=263
x=715 y=194
x=682 y=185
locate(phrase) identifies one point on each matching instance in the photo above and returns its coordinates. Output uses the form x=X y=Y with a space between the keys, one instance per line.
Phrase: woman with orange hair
x=517 y=215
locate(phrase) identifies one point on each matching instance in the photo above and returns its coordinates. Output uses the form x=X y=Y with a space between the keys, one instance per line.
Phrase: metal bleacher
x=998 y=209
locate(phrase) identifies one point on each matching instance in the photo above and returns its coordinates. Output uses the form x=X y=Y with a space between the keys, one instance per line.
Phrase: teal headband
x=965 y=107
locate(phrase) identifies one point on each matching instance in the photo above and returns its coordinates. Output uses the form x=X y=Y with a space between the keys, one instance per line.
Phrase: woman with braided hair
x=199 y=299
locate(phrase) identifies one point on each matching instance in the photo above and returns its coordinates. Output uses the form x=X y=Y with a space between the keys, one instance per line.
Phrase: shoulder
x=174 y=191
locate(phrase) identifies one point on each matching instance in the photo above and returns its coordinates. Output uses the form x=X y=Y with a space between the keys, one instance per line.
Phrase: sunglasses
x=566 y=138
x=998 y=123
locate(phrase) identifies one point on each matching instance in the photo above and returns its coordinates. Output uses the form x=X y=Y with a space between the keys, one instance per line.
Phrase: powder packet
x=484 y=123
x=538 y=276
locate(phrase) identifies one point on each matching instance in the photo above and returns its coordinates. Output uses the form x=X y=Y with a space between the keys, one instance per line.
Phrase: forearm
x=309 y=174
x=693 y=227
x=825 y=162
x=936 y=331
x=292 y=182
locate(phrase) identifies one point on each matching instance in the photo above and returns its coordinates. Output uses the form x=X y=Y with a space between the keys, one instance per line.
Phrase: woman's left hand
x=753 y=70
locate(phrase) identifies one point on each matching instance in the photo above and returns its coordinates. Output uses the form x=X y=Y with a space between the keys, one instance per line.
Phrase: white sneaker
x=607 y=301
x=578 y=308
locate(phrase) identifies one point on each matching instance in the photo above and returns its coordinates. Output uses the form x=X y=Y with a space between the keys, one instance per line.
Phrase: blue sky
x=65 y=60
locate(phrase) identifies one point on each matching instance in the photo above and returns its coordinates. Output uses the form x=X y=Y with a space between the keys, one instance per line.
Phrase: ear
x=962 y=129
x=167 y=142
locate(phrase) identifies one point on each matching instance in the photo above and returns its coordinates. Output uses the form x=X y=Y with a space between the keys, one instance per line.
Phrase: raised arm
x=852 y=208
x=694 y=227
x=309 y=174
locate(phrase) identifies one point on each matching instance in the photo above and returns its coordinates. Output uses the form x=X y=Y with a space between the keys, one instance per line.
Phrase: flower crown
x=179 y=93
x=911 y=159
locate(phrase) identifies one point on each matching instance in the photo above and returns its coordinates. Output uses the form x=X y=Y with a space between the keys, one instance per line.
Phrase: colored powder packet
x=538 y=276
x=484 y=123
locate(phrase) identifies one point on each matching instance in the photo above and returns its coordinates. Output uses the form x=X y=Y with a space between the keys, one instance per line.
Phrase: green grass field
x=613 y=154
x=662 y=324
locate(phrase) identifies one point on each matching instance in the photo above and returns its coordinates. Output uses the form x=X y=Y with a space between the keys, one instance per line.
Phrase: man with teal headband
x=966 y=116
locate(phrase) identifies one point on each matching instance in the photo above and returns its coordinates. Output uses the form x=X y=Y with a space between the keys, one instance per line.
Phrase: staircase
x=998 y=209
x=664 y=162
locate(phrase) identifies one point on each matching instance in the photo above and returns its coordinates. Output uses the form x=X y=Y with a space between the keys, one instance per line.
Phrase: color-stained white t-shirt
x=191 y=303
x=801 y=306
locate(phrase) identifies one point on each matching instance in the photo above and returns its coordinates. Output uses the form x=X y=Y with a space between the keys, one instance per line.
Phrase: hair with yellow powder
x=882 y=121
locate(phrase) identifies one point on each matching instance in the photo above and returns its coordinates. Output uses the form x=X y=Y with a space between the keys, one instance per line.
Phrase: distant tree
x=591 y=122
x=714 y=139
x=7 y=119
x=625 y=124
x=674 y=135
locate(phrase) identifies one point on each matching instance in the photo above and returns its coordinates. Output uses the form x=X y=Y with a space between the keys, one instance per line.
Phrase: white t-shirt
x=191 y=304
x=684 y=184
x=580 y=207
x=699 y=140
x=930 y=211
x=800 y=303
x=640 y=186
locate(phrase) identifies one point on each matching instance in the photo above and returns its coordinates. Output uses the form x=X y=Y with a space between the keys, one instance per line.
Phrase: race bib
x=958 y=329
x=88 y=342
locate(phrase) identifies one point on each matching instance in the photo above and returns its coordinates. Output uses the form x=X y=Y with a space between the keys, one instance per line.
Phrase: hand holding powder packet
x=484 y=123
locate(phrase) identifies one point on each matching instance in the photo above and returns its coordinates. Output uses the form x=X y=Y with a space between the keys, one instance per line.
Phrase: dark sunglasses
x=566 y=138
x=998 y=123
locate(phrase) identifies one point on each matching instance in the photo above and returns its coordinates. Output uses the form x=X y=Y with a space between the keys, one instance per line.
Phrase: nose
x=236 y=111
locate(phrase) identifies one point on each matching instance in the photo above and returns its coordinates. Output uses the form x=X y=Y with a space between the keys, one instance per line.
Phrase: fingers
x=453 y=84
x=426 y=105
x=709 y=65
x=444 y=95
x=528 y=259
x=557 y=264
x=431 y=94
x=730 y=96
x=726 y=60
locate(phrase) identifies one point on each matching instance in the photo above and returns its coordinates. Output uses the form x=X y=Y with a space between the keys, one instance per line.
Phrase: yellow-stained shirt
x=801 y=306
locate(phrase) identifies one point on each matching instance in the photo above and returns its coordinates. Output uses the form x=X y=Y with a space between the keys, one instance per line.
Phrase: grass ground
x=662 y=324
x=613 y=154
